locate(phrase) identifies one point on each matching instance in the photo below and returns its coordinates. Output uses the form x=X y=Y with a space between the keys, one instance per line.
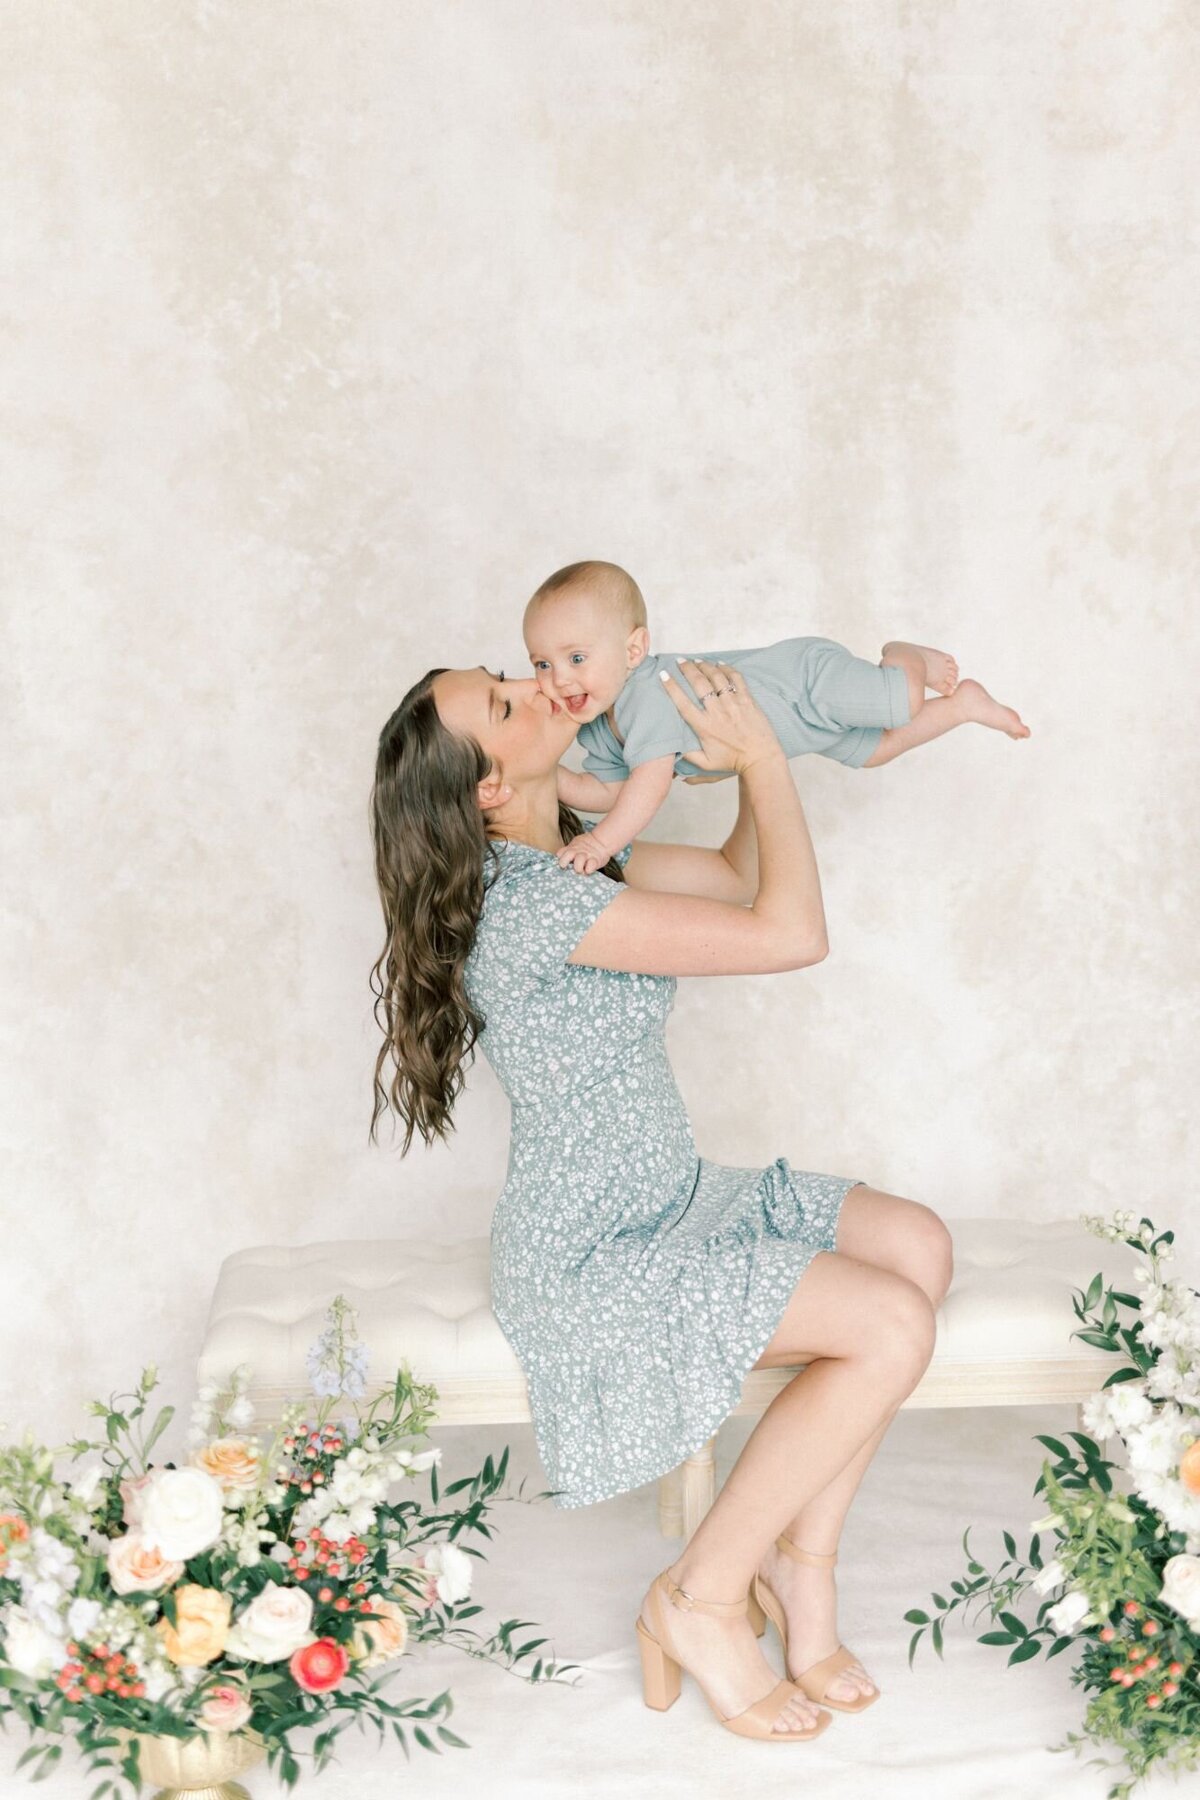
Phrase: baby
x=585 y=630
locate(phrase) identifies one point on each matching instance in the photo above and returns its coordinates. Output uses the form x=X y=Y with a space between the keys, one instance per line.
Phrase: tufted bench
x=1004 y=1329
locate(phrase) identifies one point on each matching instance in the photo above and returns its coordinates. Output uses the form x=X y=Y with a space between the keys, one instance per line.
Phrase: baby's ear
x=637 y=645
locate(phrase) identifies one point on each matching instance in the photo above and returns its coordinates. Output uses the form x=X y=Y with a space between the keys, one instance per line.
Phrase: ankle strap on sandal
x=822 y=1559
x=686 y=1602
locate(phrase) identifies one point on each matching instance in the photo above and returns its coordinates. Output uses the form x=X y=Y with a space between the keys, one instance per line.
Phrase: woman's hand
x=733 y=729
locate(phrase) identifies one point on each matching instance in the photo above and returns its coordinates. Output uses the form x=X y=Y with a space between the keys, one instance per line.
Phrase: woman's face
x=523 y=731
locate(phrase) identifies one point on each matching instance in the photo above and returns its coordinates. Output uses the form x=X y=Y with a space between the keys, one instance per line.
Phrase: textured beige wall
x=330 y=329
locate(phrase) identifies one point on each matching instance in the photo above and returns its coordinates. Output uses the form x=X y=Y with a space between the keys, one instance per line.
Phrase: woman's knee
x=842 y=1306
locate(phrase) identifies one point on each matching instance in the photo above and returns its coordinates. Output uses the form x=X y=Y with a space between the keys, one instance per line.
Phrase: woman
x=637 y=1282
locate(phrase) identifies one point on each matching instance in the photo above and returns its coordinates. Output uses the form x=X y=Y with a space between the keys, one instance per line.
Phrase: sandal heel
x=661 y=1674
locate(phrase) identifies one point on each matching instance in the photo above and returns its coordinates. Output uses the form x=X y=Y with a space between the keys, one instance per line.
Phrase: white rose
x=453 y=1569
x=181 y=1512
x=29 y=1647
x=1181 y=1586
x=275 y=1623
x=1069 y=1612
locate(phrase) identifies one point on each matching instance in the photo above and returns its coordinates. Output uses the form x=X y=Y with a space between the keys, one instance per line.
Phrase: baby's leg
x=970 y=701
x=923 y=668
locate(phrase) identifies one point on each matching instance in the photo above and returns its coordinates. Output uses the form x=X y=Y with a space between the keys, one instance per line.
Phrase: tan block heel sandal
x=815 y=1680
x=661 y=1669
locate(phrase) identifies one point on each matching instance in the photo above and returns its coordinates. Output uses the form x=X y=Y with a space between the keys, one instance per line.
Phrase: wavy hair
x=434 y=861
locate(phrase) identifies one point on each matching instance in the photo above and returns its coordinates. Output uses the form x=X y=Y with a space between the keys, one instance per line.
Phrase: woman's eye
x=507 y=708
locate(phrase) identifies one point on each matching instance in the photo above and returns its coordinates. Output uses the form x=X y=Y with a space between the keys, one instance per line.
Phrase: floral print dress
x=636 y=1281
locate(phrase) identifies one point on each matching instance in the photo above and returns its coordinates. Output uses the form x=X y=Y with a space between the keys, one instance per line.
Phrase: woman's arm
x=729 y=873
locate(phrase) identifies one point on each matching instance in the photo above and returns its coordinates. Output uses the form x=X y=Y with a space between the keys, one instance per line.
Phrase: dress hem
x=657 y=1474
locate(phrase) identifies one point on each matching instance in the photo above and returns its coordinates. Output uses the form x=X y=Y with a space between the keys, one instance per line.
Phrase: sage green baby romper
x=636 y=1282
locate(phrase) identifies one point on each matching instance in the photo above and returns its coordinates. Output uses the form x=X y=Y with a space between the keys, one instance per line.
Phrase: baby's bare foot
x=941 y=670
x=723 y=1655
x=809 y=1599
x=977 y=704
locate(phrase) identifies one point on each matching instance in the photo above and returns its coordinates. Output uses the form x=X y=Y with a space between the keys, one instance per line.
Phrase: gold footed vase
x=198 y=1768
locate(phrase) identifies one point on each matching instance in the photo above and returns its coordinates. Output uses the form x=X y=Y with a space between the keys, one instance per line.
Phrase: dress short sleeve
x=550 y=909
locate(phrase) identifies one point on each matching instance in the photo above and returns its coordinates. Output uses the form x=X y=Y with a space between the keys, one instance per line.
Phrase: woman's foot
x=941 y=670
x=723 y=1655
x=977 y=704
x=809 y=1600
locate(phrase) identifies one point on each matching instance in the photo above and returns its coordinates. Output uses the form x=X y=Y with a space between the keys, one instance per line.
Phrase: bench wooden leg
x=670 y=1504
x=685 y=1495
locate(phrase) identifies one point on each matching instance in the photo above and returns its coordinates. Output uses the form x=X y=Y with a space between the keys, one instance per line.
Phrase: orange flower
x=231 y=1461
x=319 y=1666
x=1189 y=1468
x=199 y=1636
x=13 y=1529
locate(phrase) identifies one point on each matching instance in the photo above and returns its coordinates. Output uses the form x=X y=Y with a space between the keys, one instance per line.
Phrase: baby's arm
x=587 y=793
x=642 y=795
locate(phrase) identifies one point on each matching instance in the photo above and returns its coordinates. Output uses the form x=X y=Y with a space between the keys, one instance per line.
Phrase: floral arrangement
x=1122 y=1585
x=254 y=1591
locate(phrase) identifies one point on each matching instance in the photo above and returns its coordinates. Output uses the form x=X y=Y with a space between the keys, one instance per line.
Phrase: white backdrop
x=331 y=331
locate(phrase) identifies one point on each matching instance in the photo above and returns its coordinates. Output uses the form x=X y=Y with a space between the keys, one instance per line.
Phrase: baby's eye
x=581 y=654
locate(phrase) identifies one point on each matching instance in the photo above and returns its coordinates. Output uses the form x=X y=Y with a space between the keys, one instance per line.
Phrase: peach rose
x=199 y=1636
x=381 y=1637
x=1189 y=1467
x=226 y=1707
x=231 y=1461
x=135 y=1567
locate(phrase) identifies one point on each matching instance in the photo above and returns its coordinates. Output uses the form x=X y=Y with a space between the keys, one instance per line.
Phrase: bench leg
x=698 y=1482
x=670 y=1504
x=685 y=1495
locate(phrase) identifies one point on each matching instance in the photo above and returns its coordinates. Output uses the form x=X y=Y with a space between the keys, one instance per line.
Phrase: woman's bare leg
x=911 y=1240
x=866 y=1336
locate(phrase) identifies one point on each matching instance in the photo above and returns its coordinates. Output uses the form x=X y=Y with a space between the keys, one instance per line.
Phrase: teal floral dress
x=636 y=1282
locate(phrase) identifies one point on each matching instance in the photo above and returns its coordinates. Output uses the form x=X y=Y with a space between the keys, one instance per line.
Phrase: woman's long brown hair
x=433 y=862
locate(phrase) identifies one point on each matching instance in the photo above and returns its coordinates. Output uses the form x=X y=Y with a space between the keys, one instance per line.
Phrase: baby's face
x=580 y=657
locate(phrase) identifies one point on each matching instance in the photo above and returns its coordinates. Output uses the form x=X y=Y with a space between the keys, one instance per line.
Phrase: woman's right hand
x=733 y=729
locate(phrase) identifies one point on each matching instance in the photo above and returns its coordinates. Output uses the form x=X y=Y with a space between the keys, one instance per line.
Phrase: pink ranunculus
x=226 y=1707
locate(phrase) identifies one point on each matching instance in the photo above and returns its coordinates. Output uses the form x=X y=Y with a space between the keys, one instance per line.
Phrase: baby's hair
x=609 y=582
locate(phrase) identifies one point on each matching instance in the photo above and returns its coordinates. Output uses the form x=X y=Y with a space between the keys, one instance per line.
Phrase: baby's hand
x=584 y=853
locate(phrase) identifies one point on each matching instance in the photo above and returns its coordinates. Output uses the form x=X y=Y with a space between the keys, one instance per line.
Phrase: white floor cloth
x=965 y=1727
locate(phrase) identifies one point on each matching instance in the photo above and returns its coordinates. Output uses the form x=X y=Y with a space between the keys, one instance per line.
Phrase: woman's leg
x=910 y=1240
x=866 y=1336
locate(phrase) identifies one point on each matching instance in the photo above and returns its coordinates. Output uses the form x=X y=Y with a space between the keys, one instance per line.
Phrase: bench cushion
x=1004 y=1329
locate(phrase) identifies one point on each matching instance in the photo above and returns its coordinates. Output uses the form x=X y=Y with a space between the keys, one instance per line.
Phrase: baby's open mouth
x=575 y=702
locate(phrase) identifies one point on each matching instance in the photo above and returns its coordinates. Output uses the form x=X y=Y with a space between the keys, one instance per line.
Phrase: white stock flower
x=29 y=1647
x=1155 y=1447
x=181 y=1512
x=83 y=1616
x=241 y=1413
x=1070 y=1612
